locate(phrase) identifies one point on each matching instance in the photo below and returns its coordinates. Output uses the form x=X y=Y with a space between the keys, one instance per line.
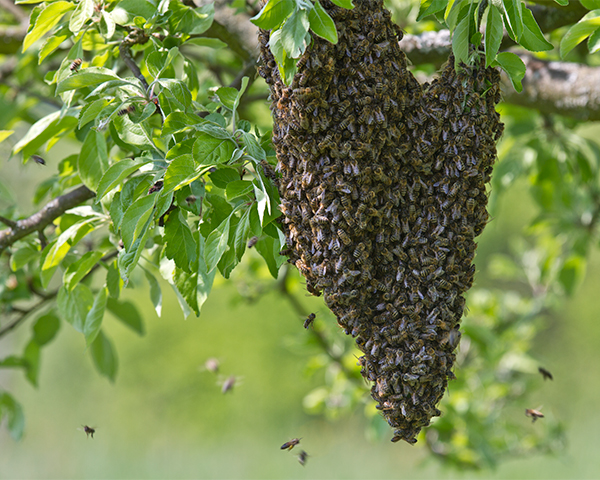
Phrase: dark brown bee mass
x=382 y=184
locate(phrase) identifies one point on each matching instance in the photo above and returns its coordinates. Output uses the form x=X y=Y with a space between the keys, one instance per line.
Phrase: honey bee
x=545 y=373
x=302 y=457
x=253 y=241
x=191 y=199
x=228 y=384
x=308 y=322
x=156 y=187
x=212 y=365
x=125 y=111
x=38 y=159
x=89 y=431
x=75 y=65
x=291 y=444
x=534 y=414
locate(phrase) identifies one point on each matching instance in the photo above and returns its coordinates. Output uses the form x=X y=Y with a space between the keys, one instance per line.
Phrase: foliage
x=182 y=183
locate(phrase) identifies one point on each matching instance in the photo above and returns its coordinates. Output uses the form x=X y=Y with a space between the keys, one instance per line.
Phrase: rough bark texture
x=383 y=192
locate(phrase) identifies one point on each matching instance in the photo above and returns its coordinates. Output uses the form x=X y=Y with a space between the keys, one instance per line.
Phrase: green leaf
x=108 y=26
x=494 y=30
x=104 y=356
x=227 y=95
x=93 y=320
x=90 y=111
x=43 y=130
x=188 y=20
x=83 y=12
x=430 y=7
x=514 y=67
x=127 y=313
x=31 y=356
x=93 y=159
x=75 y=304
x=579 y=32
x=253 y=148
x=343 y=3
x=61 y=246
x=194 y=288
x=594 y=42
x=114 y=282
x=85 y=78
x=572 y=273
x=23 y=256
x=136 y=219
x=53 y=42
x=11 y=361
x=135 y=8
x=4 y=134
x=179 y=121
x=238 y=188
x=79 y=269
x=322 y=24
x=273 y=14
x=180 y=244
x=209 y=150
x=533 y=38
x=269 y=249
x=128 y=259
x=514 y=14
x=45 y=329
x=293 y=33
x=12 y=409
x=564 y=3
x=117 y=173
x=46 y=21
x=216 y=244
x=181 y=171
x=155 y=291
x=460 y=41
x=591 y=4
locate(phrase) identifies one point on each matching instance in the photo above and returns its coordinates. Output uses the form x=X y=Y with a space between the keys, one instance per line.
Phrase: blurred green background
x=165 y=416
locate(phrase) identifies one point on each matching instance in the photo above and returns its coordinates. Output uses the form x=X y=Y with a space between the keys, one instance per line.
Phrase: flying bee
x=156 y=187
x=545 y=373
x=302 y=456
x=228 y=384
x=308 y=322
x=212 y=365
x=125 y=111
x=291 y=444
x=89 y=431
x=534 y=414
x=38 y=159
x=75 y=65
x=253 y=241
x=191 y=199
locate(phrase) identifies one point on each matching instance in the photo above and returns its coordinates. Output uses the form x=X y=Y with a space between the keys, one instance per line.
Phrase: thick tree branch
x=563 y=88
x=38 y=221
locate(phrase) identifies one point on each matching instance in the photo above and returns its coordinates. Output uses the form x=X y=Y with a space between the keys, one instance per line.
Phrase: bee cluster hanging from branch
x=382 y=185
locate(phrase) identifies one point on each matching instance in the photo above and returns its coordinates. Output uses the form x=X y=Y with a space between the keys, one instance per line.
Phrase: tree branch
x=38 y=221
x=219 y=31
x=136 y=36
x=563 y=88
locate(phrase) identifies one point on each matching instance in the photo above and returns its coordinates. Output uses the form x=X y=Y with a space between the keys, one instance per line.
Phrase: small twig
x=38 y=221
x=7 y=222
x=23 y=316
x=136 y=36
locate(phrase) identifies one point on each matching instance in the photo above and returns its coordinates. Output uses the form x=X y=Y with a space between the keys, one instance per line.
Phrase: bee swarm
x=383 y=192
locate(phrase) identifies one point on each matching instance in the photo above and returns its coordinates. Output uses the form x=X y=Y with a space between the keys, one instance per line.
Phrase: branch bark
x=38 y=221
x=569 y=89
